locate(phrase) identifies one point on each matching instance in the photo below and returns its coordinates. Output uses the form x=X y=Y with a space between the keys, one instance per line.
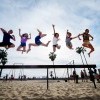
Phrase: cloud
x=32 y=14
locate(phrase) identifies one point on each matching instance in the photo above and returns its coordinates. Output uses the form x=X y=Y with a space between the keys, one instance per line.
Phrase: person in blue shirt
x=38 y=41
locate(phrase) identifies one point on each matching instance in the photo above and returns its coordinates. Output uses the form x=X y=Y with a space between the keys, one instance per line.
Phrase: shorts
x=69 y=44
x=2 y=44
x=55 y=45
x=86 y=42
x=38 y=43
x=23 y=44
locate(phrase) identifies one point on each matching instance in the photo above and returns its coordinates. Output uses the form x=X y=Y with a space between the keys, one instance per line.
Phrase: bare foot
x=48 y=43
x=89 y=54
x=59 y=47
x=23 y=51
x=7 y=47
x=28 y=50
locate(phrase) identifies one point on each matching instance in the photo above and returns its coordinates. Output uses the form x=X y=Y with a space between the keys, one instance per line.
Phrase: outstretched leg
x=58 y=46
x=19 y=48
x=46 y=45
x=9 y=45
x=54 y=48
x=24 y=49
x=31 y=44
x=90 y=47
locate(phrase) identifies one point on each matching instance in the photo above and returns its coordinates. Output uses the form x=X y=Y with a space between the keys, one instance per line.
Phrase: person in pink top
x=24 y=38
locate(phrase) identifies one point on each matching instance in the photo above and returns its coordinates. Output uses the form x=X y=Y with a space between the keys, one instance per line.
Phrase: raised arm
x=39 y=31
x=42 y=35
x=91 y=37
x=29 y=36
x=74 y=37
x=3 y=30
x=53 y=28
x=13 y=37
x=79 y=36
x=67 y=33
x=20 y=32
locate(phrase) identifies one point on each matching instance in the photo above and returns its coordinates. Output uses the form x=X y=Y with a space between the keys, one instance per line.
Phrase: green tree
x=3 y=59
x=52 y=56
x=79 y=51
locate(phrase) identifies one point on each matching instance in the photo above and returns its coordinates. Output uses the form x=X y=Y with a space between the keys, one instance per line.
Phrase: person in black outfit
x=92 y=78
x=82 y=75
x=74 y=75
x=6 y=39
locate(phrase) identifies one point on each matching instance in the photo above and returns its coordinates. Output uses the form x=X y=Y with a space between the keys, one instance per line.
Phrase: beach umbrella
x=52 y=56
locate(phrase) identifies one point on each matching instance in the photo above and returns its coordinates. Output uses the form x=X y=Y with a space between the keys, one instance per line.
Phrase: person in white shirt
x=55 y=40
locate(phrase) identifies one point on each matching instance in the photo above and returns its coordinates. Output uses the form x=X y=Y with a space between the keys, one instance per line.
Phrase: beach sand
x=37 y=90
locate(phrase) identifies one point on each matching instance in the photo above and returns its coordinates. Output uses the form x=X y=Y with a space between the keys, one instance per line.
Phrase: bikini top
x=85 y=37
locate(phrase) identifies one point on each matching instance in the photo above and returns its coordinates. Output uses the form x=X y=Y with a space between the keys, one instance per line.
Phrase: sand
x=36 y=90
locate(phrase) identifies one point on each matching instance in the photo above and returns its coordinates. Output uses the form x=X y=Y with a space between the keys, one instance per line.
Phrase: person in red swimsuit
x=86 y=40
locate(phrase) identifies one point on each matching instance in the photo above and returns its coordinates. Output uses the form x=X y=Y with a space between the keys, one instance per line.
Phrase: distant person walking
x=85 y=75
x=82 y=75
x=74 y=75
x=92 y=78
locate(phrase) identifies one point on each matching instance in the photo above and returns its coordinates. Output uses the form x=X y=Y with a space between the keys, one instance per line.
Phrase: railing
x=46 y=67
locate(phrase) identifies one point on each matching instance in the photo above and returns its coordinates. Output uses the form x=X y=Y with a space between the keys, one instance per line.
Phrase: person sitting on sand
x=37 y=41
x=86 y=41
x=6 y=39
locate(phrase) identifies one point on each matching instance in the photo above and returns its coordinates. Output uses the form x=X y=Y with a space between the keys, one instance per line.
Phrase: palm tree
x=84 y=50
x=52 y=56
x=81 y=50
x=3 y=59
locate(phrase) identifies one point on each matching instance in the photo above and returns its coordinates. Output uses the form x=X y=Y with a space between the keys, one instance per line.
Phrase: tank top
x=23 y=39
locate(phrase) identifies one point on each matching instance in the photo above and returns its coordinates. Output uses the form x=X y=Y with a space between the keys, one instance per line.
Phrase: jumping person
x=6 y=39
x=37 y=41
x=55 y=40
x=24 y=38
x=86 y=41
x=68 y=40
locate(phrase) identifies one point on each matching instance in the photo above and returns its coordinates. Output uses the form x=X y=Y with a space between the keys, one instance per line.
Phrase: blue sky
x=75 y=15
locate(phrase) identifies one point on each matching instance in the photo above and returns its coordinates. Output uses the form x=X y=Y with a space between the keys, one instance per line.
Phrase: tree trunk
x=54 y=70
x=0 y=72
x=81 y=58
x=68 y=73
x=85 y=58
